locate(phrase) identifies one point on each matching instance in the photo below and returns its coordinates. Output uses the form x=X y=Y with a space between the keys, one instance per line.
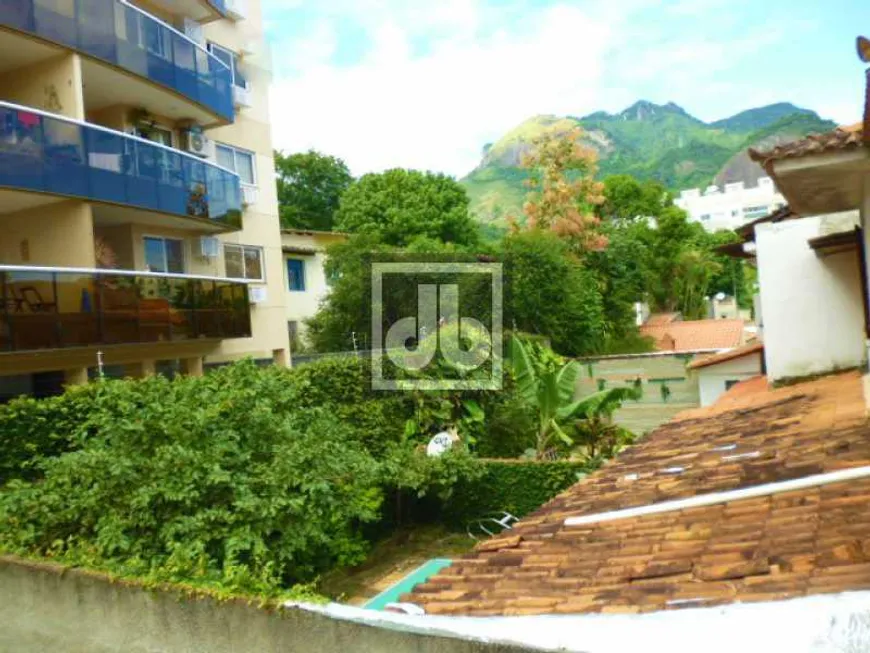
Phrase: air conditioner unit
x=242 y=96
x=249 y=195
x=193 y=31
x=197 y=143
x=237 y=9
x=209 y=247
x=257 y=294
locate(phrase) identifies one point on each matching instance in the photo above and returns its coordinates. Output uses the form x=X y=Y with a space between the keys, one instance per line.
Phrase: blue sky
x=426 y=84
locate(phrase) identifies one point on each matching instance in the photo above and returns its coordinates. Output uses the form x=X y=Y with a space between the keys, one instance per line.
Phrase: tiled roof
x=733 y=354
x=833 y=141
x=792 y=544
x=695 y=335
x=657 y=319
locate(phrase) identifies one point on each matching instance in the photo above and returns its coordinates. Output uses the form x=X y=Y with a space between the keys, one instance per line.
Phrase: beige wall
x=303 y=305
x=54 y=85
x=251 y=131
x=59 y=234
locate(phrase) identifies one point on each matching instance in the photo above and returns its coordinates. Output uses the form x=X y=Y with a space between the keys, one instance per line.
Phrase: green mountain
x=649 y=141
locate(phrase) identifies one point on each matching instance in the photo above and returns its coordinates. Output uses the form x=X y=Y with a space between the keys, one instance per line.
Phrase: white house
x=717 y=373
x=305 y=282
x=732 y=206
x=811 y=260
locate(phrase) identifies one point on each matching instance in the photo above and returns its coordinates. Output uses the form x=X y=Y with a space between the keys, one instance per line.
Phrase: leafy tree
x=310 y=185
x=399 y=206
x=552 y=392
x=550 y=293
x=627 y=198
x=563 y=192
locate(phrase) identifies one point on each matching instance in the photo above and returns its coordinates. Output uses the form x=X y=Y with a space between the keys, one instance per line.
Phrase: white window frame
x=240 y=150
x=184 y=261
x=242 y=247
x=234 y=57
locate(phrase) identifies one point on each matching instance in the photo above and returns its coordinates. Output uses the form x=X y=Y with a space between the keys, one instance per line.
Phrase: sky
x=427 y=83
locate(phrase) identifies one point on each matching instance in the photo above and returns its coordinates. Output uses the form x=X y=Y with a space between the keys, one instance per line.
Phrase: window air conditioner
x=209 y=247
x=249 y=195
x=257 y=294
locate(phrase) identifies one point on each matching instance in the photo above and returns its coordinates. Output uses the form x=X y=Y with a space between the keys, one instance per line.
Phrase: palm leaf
x=524 y=371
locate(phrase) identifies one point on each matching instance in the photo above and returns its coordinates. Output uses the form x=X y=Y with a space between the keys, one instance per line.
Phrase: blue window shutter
x=296 y=274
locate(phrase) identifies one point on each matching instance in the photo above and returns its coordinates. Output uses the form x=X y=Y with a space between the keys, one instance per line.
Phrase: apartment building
x=731 y=206
x=138 y=215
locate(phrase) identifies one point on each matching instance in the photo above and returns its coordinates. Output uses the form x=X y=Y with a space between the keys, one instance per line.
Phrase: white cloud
x=434 y=110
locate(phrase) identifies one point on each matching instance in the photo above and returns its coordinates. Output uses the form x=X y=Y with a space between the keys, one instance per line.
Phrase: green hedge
x=519 y=487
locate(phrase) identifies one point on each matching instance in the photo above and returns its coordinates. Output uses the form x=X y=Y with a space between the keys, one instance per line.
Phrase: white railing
x=113 y=132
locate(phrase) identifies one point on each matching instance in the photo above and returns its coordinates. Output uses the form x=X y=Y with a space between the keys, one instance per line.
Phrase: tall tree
x=399 y=206
x=563 y=193
x=551 y=293
x=310 y=185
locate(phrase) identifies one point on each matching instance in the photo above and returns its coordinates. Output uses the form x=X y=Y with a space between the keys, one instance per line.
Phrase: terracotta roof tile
x=833 y=141
x=696 y=335
x=730 y=355
x=770 y=547
x=657 y=319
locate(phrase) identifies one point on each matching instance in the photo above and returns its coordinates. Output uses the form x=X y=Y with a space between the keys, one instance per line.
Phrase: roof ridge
x=714 y=498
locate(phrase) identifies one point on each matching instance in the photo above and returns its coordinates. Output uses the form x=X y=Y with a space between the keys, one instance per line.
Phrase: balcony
x=46 y=153
x=56 y=308
x=119 y=34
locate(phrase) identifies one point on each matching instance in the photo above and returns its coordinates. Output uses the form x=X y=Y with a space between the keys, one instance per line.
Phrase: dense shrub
x=185 y=480
x=31 y=428
x=519 y=487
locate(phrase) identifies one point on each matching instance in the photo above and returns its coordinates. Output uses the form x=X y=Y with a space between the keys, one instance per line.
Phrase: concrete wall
x=54 y=85
x=657 y=371
x=812 y=305
x=43 y=609
x=713 y=381
x=60 y=234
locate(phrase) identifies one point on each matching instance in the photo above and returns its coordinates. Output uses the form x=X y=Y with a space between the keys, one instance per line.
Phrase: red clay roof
x=733 y=354
x=657 y=319
x=777 y=546
x=695 y=335
x=840 y=139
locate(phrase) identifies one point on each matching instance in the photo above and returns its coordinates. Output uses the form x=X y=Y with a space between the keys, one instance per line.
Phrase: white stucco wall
x=712 y=380
x=813 y=309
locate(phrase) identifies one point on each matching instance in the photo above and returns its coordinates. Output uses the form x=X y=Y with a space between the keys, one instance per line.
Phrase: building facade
x=138 y=214
x=306 y=283
x=732 y=206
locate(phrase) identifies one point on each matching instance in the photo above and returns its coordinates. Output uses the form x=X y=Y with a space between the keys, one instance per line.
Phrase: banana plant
x=551 y=393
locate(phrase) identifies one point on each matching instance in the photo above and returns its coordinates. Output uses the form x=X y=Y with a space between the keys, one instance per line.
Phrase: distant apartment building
x=138 y=215
x=732 y=206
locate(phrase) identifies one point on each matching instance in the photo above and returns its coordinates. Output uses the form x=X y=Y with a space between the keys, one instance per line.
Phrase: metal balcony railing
x=57 y=308
x=126 y=36
x=41 y=151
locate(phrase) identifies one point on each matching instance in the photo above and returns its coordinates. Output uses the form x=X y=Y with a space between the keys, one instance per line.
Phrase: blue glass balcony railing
x=57 y=308
x=126 y=36
x=43 y=152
